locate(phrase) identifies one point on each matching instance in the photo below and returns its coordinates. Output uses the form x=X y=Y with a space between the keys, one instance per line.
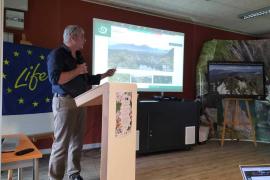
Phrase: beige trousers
x=69 y=123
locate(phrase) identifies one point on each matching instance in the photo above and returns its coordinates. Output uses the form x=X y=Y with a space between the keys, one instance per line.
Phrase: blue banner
x=26 y=88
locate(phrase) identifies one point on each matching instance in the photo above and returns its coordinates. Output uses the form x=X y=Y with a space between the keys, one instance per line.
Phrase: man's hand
x=67 y=76
x=108 y=73
x=81 y=69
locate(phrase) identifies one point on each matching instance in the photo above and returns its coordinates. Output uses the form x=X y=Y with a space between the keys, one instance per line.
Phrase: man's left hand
x=108 y=73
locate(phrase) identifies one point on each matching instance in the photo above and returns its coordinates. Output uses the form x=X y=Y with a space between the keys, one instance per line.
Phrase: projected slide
x=151 y=58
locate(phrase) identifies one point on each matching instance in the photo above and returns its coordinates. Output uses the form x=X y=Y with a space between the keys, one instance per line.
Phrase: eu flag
x=26 y=88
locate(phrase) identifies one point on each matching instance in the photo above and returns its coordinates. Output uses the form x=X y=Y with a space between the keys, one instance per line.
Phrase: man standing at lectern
x=69 y=77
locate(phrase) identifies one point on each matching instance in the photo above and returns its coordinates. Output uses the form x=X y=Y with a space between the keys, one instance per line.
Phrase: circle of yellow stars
x=9 y=90
x=29 y=52
x=34 y=103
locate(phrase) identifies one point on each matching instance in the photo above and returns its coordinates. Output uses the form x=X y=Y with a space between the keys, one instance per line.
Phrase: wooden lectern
x=118 y=138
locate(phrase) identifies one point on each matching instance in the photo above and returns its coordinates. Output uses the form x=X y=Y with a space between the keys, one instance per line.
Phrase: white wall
x=28 y=124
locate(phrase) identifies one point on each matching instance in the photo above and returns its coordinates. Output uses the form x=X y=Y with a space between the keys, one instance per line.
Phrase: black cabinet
x=166 y=125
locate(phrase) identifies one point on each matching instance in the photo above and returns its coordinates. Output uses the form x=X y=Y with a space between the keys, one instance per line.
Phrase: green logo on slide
x=103 y=29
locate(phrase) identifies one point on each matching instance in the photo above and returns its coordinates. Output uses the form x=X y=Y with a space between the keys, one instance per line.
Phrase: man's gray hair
x=70 y=31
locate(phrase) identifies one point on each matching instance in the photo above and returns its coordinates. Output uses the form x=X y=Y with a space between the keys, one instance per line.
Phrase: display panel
x=236 y=79
x=151 y=58
x=255 y=172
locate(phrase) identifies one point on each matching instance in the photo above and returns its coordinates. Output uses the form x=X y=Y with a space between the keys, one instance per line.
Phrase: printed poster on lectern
x=123 y=113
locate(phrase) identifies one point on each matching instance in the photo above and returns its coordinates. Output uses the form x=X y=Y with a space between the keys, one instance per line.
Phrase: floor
x=90 y=167
x=203 y=162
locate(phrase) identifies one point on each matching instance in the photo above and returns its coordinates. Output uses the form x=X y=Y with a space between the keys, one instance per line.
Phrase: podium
x=118 y=136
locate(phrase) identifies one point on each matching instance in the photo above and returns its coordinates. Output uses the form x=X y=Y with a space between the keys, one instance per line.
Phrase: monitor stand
x=159 y=97
x=162 y=97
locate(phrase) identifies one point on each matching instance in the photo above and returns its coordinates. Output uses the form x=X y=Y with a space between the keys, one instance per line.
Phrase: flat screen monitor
x=151 y=58
x=255 y=172
x=236 y=79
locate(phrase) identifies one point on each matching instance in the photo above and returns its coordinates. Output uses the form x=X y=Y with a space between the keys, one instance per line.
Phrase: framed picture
x=14 y=19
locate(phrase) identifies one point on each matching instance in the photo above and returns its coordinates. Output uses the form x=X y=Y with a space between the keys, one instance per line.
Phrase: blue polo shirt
x=60 y=60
